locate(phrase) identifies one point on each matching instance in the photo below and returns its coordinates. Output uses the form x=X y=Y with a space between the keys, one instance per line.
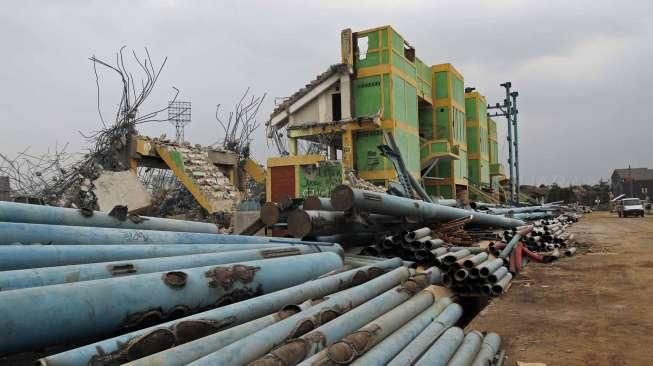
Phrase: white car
x=630 y=207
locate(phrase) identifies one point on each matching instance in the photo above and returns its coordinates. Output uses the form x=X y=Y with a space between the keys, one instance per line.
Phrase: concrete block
x=242 y=219
x=121 y=188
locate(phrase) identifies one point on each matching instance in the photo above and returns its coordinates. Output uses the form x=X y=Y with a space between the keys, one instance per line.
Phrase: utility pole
x=509 y=110
x=516 y=142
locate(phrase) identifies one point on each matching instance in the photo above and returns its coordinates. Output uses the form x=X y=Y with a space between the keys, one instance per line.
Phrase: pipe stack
x=472 y=272
x=165 y=297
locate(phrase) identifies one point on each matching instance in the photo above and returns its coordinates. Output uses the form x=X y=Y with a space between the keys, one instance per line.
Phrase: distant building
x=633 y=182
x=4 y=189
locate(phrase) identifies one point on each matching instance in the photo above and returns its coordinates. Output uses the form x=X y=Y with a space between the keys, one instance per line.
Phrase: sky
x=582 y=68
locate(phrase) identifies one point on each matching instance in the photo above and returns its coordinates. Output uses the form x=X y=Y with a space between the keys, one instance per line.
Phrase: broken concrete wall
x=121 y=188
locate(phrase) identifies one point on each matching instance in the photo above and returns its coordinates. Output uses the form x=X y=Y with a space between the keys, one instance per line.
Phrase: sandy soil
x=595 y=308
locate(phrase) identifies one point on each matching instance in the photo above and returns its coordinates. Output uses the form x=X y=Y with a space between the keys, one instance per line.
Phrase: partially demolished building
x=381 y=87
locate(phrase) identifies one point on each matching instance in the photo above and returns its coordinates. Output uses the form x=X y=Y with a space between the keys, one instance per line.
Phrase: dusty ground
x=595 y=308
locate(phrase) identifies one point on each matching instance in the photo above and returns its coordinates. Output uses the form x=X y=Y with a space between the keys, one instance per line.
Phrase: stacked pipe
x=366 y=316
x=95 y=273
x=547 y=239
x=472 y=272
x=166 y=297
x=353 y=212
x=415 y=245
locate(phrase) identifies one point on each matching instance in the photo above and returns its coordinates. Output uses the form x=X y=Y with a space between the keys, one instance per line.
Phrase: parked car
x=630 y=207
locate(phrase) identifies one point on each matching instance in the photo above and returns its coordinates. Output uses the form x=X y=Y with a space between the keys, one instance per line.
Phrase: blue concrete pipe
x=42 y=316
x=119 y=348
x=36 y=214
x=36 y=277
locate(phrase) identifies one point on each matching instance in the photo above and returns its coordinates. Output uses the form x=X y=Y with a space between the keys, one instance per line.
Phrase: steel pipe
x=313 y=203
x=344 y=198
x=475 y=260
x=489 y=347
x=499 y=287
x=497 y=275
x=258 y=344
x=417 y=234
x=75 y=235
x=293 y=351
x=387 y=349
x=571 y=251
x=36 y=214
x=119 y=348
x=443 y=349
x=468 y=350
x=410 y=353
x=486 y=268
x=68 y=312
x=302 y=223
x=515 y=239
x=36 y=277
x=36 y=256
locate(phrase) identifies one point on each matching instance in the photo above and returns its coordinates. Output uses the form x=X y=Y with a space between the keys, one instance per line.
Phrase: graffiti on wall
x=319 y=179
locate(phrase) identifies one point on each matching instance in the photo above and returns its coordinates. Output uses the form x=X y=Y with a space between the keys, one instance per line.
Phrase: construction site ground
x=595 y=308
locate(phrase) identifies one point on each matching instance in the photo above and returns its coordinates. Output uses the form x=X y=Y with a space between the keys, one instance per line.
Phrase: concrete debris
x=119 y=188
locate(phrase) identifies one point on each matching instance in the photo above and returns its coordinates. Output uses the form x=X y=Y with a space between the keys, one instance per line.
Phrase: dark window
x=336 y=113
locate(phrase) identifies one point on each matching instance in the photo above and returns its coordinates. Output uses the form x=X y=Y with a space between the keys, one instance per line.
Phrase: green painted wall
x=319 y=180
x=368 y=157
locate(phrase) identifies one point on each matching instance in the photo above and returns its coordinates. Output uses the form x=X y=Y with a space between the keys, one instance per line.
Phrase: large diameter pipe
x=36 y=277
x=258 y=344
x=120 y=348
x=344 y=198
x=387 y=349
x=73 y=311
x=417 y=234
x=293 y=351
x=357 y=343
x=36 y=214
x=36 y=256
x=515 y=239
x=303 y=223
x=74 y=235
x=424 y=339
x=313 y=203
x=468 y=350
x=443 y=349
x=489 y=347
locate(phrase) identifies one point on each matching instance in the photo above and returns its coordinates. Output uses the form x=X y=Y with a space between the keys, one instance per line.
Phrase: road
x=595 y=308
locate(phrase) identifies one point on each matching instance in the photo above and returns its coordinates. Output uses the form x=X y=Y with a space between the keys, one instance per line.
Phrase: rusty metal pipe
x=313 y=203
x=67 y=312
x=302 y=223
x=227 y=316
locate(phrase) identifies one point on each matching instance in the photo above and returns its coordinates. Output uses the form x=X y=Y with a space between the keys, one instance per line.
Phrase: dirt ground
x=595 y=308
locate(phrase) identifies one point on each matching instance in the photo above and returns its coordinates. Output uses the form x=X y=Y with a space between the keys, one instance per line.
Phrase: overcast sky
x=582 y=68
